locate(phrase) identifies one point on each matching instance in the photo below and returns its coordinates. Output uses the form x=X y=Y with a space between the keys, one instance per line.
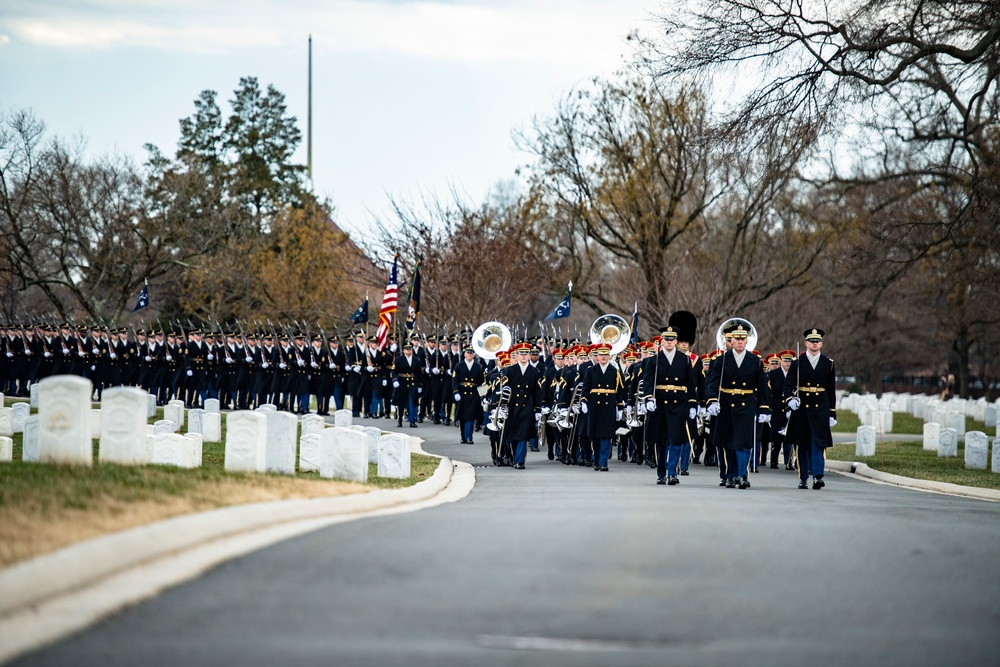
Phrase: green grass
x=909 y=459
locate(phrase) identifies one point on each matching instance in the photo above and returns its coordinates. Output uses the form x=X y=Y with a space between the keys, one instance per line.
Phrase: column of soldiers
x=661 y=404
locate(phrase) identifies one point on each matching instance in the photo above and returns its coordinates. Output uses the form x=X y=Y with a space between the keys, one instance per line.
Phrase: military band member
x=337 y=363
x=524 y=408
x=406 y=376
x=468 y=377
x=810 y=393
x=602 y=400
x=739 y=397
x=669 y=388
x=779 y=422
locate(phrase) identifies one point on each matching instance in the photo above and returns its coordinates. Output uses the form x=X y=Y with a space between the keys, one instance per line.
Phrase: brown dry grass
x=31 y=529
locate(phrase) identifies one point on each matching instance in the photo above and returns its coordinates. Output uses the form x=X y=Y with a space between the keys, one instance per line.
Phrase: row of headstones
x=875 y=411
x=944 y=441
x=261 y=441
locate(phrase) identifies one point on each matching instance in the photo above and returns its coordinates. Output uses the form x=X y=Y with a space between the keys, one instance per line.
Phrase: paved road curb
x=863 y=471
x=32 y=582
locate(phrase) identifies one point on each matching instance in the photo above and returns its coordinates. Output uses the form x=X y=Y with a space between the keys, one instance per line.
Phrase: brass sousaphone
x=720 y=336
x=611 y=329
x=491 y=338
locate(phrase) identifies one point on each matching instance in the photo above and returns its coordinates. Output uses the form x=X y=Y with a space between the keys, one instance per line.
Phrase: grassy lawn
x=47 y=507
x=911 y=460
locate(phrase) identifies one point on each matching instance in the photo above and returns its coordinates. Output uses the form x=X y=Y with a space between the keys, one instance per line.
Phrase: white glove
x=583 y=408
x=395 y=383
x=356 y=368
x=546 y=410
x=229 y=360
x=93 y=368
x=83 y=354
x=370 y=369
x=713 y=409
x=385 y=383
x=650 y=405
x=282 y=365
x=436 y=370
x=702 y=412
x=833 y=422
x=264 y=364
x=618 y=415
x=48 y=354
x=793 y=403
x=168 y=357
x=392 y=348
x=458 y=397
x=641 y=409
x=502 y=412
x=210 y=356
x=763 y=419
x=420 y=390
x=313 y=364
x=65 y=350
x=148 y=358
x=300 y=362
x=113 y=355
x=538 y=416
x=248 y=359
x=10 y=355
x=190 y=373
x=451 y=372
x=27 y=352
x=576 y=408
x=692 y=413
x=332 y=366
x=93 y=351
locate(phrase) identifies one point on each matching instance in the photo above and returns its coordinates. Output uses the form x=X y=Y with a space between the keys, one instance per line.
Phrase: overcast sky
x=408 y=97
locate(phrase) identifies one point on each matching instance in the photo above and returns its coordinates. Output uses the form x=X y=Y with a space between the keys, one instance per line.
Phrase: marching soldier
x=468 y=377
x=739 y=397
x=524 y=409
x=810 y=393
x=602 y=400
x=406 y=375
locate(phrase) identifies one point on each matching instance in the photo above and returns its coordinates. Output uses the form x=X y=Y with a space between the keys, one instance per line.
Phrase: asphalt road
x=559 y=565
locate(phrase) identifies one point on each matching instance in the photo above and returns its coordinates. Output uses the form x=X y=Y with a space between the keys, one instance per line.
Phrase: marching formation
x=648 y=402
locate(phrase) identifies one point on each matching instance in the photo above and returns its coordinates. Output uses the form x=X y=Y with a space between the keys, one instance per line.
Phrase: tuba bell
x=490 y=338
x=720 y=336
x=611 y=329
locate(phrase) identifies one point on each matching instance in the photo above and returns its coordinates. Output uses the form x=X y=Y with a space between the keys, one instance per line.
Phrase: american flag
x=388 y=308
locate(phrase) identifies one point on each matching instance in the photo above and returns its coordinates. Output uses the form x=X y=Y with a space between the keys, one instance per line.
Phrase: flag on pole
x=360 y=316
x=143 y=301
x=635 y=324
x=562 y=310
x=388 y=308
x=414 y=309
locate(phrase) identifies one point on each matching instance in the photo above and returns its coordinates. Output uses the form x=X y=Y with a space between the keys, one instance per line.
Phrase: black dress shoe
x=551 y=456
x=744 y=483
x=412 y=425
x=802 y=484
x=673 y=481
x=478 y=428
x=399 y=423
x=722 y=483
x=731 y=483
x=696 y=459
x=711 y=464
x=660 y=480
x=518 y=466
x=437 y=421
x=604 y=468
x=684 y=473
x=818 y=483
x=447 y=422
x=774 y=466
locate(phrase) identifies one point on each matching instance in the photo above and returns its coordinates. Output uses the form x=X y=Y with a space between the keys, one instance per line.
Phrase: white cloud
x=513 y=30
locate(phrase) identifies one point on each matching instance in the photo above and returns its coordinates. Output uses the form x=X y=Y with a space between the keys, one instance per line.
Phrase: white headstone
x=344 y=454
x=32 y=396
x=267 y=407
x=147 y=446
x=886 y=417
x=175 y=415
x=211 y=405
x=95 y=423
x=6 y=422
x=173 y=449
x=979 y=411
x=977 y=447
x=18 y=415
x=282 y=427
x=313 y=424
x=195 y=421
x=342 y=418
x=958 y=423
x=211 y=427
x=990 y=416
x=846 y=403
x=309 y=452
x=373 y=437
x=995 y=467
x=29 y=448
x=865 y=445
x=394 y=456
x=150 y=406
x=246 y=440
x=196 y=448
x=948 y=442
x=932 y=436
x=163 y=426
x=123 y=426
x=1 y=399
x=7 y=448
x=64 y=420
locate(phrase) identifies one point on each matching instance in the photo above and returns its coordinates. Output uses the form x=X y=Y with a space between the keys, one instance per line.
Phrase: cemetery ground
x=48 y=507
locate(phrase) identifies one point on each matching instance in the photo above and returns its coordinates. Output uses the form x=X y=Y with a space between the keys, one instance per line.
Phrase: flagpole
x=367 y=319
